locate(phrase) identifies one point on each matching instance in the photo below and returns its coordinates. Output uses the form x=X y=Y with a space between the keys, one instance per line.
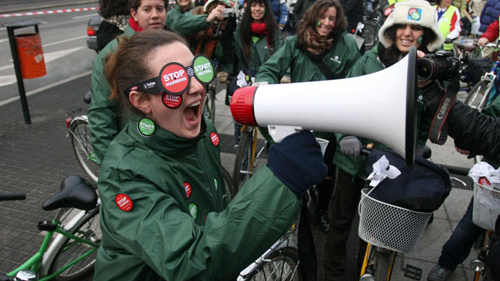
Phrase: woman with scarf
x=412 y=23
x=255 y=40
x=104 y=123
x=321 y=50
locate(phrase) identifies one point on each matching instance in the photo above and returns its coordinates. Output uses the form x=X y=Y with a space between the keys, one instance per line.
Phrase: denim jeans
x=458 y=246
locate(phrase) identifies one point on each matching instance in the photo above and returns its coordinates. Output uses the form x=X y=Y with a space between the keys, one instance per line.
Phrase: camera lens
x=425 y=69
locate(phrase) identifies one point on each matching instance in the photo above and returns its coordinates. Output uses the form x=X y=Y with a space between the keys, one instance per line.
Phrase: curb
x=13 y=10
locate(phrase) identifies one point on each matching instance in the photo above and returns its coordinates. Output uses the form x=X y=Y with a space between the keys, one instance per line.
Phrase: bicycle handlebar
x=12 y=196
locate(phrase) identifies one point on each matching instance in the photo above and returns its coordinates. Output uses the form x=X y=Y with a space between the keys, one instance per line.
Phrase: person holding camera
x=411 y=24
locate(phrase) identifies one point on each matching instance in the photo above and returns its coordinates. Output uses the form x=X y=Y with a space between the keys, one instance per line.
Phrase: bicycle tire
x=241 y=170
x=283 y=265
x=370 y=32
x=210 y=103
x=88 y=228
x=384 y=262
x=228 y=183
x=82 y=147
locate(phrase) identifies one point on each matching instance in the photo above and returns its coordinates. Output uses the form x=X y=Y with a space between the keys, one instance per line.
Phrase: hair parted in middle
x=311 y=17
x=245 y=31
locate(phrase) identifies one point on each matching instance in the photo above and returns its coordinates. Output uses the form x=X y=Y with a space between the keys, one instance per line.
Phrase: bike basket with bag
x=477 y=67
x=394 y=213
x=243 y=79
x=486 y=205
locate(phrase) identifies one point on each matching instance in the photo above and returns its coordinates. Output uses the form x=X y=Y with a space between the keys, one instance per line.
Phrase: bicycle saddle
x=75 y=193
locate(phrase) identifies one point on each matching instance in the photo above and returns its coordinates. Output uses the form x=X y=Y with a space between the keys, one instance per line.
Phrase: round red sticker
x=124 y=202
x=174 y=78
x=188 y=189
x=171 y=101
x=214 y=138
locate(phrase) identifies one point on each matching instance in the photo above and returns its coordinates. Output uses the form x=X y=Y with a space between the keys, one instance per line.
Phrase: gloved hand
x=350 y=146
x=297 y=161
x=222 y=77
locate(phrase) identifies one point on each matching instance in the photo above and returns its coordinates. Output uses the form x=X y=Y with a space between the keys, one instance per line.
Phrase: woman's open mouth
x=192 y=113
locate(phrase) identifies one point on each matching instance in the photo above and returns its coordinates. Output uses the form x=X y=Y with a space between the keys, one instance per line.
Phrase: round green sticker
x=193 y=210
x=203 y=69
x=146 y=127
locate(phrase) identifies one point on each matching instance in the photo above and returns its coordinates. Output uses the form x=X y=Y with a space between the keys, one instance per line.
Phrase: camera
x=228 y=13
x=440 y=66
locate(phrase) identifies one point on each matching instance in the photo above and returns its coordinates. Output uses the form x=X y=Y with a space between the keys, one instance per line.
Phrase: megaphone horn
x=372 y=106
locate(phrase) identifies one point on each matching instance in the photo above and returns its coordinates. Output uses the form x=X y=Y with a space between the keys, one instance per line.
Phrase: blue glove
x=297 y=161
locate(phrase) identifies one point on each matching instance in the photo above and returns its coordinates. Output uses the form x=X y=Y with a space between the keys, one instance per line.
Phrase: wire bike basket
x=486 y=206
x=389 y=226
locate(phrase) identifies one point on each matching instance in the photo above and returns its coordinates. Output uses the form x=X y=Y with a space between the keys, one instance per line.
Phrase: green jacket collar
x=164 y=141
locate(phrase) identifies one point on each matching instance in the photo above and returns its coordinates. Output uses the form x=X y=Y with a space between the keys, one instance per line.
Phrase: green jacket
x=339 y=60
x=186 y=24
x=370 y=63
x=104 y=123
x=259 y=52
x=178 y=225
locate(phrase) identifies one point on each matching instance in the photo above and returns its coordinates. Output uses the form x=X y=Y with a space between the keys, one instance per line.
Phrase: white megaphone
x=379 y=106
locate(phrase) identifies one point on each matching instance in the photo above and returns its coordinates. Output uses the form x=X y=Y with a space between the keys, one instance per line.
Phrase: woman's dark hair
x=245 y=31
x=134 y=4
x=129 y=64
x=392 y=53
x=108 y=8
x=311 y=17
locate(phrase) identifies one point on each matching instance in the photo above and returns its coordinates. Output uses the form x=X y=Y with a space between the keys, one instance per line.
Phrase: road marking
x=4 y=40
x=84 y=16
x=7 y=80
x=63 y=41
x=41 y=89
x=48 y=57
x=49 y=12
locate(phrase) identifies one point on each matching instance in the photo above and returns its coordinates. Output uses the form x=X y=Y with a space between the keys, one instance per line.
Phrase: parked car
x=92 y=27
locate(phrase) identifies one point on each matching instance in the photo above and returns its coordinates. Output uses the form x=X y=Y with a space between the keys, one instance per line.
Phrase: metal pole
x=19 y=77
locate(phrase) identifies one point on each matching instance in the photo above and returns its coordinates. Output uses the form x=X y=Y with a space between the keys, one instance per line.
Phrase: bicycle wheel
x=70 y=249
x=283 y=265
x=384 y=262
x=82 y=146
x=477 y=93
x=242 y=170
x=370 y=31
x=228 y=183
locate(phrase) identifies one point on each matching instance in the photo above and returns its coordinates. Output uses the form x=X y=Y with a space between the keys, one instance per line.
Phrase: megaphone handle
x=278 y=133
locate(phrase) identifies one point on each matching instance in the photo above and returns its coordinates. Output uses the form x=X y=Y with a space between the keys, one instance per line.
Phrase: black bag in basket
x=421 y=187
x=477 y=67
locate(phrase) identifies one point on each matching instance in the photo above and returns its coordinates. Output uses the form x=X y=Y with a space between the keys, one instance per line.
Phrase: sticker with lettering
x=171 y=101
x=146 y=127
x=174 y=78
x=188 y=189
x=124 y=202
x=193 y=210
x=214 y=138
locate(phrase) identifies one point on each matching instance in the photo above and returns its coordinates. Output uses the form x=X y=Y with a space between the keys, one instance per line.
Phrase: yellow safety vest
x=445 y=24
x=392 y=2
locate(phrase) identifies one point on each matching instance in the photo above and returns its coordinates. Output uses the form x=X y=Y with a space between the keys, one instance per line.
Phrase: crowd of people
x=165 y=214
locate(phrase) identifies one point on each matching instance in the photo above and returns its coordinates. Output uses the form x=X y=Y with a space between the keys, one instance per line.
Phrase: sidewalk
x=35 y=158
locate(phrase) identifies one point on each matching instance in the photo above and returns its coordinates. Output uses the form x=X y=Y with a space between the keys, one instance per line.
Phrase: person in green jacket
x=255 y=39
x=183 y=22
x=321 y=38
x=104 y=123
x=412 y=23
x=164 y=213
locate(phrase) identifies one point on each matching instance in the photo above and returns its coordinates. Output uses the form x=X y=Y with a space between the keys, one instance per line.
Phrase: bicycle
x=279 y=262
x=81 y=141
x=250 y=150
x=71 y=241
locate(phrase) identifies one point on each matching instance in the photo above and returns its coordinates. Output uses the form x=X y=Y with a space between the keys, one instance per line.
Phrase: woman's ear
x=139 y=101
x=133 y=13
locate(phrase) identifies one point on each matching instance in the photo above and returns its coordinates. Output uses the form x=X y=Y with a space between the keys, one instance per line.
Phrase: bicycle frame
x=40 y=260
x=487 y=79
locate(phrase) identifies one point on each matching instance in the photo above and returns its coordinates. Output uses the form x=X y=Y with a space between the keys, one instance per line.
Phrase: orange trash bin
x=30 y=54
